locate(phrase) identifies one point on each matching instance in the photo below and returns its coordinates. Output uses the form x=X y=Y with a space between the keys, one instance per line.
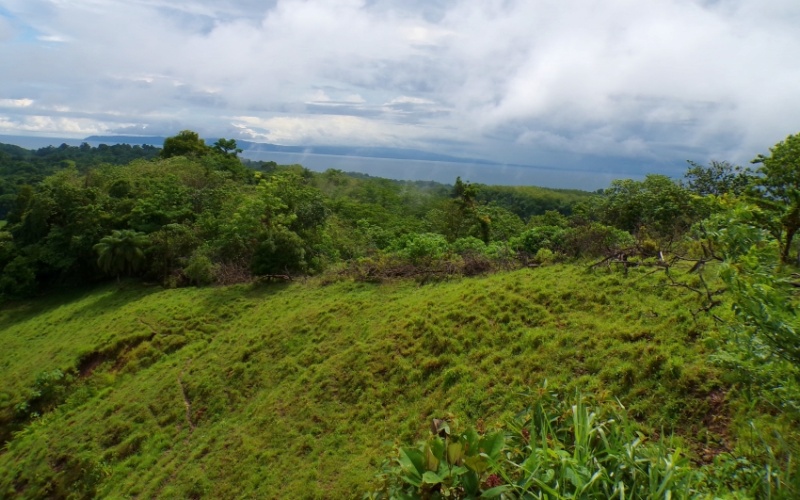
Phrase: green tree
x=461 y=215
x=762 y=346
x=777 y=190
x=186 y=143
x=718 y=178
x=657 y=204
x=226 y=147
x=121 y=252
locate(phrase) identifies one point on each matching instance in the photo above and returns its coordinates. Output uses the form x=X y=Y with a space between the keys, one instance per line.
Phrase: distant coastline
x=392 y=163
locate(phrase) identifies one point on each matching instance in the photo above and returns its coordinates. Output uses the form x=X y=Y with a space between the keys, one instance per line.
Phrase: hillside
x=189 y=326
x=300 y=390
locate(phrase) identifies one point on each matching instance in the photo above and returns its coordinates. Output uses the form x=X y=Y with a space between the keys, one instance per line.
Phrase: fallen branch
x=269 y=277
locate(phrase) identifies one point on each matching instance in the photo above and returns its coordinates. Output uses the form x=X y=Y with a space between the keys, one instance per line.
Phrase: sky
x=631 y=85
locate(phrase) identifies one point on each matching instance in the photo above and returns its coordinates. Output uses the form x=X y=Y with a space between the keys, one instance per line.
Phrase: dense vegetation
x=668 y=305
x=20 y=167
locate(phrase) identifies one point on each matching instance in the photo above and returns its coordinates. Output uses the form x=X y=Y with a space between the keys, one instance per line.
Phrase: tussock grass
x=301 y=390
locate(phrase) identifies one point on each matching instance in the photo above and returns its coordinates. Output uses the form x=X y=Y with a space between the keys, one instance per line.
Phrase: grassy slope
x=300 y=390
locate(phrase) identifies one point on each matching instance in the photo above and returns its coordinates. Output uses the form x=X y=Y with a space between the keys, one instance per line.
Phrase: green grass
x=302 y=390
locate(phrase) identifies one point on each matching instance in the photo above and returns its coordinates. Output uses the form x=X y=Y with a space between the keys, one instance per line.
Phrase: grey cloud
x=563 y=81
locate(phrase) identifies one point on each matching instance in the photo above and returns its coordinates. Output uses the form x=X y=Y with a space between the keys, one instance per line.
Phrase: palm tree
x=121 y=252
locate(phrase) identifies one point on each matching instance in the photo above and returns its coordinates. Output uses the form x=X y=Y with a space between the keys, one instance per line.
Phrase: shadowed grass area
x=302 y=390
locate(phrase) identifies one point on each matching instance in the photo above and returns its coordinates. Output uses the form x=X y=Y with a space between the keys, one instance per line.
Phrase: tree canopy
x=777 y=189
x=186 y=143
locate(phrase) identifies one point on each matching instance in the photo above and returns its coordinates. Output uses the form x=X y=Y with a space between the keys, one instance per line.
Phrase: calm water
x=445 y=171
x=439 y=171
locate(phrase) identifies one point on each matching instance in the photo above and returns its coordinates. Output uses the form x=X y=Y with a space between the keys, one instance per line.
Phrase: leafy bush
x=595 y=239
x=49 y=390
x=18 y=278
x=545 y=256
x=530 y=241
x=199 y=269
x=422 y=248
x=469 y=245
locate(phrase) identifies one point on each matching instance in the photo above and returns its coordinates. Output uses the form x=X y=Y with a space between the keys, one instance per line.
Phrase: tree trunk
x=787 y=248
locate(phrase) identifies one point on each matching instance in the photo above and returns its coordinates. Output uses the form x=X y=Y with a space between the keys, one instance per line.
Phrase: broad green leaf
x=492 y=444
x=471 y=483
x=437 y=447
x=431 y=477
x=477 y=463
x=472 y=441
x=431 y=462
x=455 y=452
x=412 y=461
x=496 y=491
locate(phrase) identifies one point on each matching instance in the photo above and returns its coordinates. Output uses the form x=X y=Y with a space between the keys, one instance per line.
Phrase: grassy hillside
x=301 y=390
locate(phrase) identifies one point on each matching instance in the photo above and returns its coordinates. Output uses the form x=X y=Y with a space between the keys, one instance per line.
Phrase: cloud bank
x=580 y=84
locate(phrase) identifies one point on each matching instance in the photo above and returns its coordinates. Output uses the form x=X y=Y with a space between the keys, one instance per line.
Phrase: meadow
x=303 y=390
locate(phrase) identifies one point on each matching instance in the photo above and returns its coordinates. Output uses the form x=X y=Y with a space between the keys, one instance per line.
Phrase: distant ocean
x=439 y=171
x=446 y=172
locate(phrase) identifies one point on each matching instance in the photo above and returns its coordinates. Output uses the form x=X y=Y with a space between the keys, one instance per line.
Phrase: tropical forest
x=182 y=322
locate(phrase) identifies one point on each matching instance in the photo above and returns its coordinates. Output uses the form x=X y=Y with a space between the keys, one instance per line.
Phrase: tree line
x=191 y=213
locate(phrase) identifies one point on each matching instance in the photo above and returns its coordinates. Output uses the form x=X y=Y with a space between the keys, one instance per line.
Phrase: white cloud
x=53 y=38
x=512 y=79
x=48 y=125
x=15 y=103
x=328 y=130
x=404 y=99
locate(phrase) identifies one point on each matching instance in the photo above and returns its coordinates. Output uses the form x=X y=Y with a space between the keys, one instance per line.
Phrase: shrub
x=595 y=239
x=545 y=256
x=423 y=248
x=469 y=245
x=199 y=270
x=530 y=241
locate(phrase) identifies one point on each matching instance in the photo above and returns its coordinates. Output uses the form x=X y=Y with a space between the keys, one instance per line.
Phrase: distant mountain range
x=247 y=146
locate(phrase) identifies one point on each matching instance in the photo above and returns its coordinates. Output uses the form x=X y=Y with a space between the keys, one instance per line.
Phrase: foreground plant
x=566 y=449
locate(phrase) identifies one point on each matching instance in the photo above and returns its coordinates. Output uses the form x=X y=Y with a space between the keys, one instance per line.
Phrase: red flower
x=493 y=480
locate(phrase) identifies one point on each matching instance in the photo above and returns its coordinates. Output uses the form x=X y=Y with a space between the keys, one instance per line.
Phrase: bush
x=423 y=248
x=595 y=239
x=283 y=251
x=545 y=256
x=199 y=270
x=530 y=241
x=18 y=278
x=469 y=245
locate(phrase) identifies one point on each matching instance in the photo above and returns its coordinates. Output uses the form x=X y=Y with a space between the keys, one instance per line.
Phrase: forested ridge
x=669 y=304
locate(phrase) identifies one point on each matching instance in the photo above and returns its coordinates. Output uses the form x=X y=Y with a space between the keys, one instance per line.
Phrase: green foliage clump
x=534 y=239
x=21 y=168
x=595 y=239
x=122 y=252
x=423 y=248
x=199 y=269
x=763 y=345
x=777 y=190
x=565 y=448
x=657 y=204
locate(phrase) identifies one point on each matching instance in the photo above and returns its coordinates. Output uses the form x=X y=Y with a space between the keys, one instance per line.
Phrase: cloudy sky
x=565 y=83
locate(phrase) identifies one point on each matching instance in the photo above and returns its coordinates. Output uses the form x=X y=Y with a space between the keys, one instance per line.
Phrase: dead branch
x=270 y=277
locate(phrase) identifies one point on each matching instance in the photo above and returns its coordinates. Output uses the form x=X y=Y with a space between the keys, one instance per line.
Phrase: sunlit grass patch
x=303 y=389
